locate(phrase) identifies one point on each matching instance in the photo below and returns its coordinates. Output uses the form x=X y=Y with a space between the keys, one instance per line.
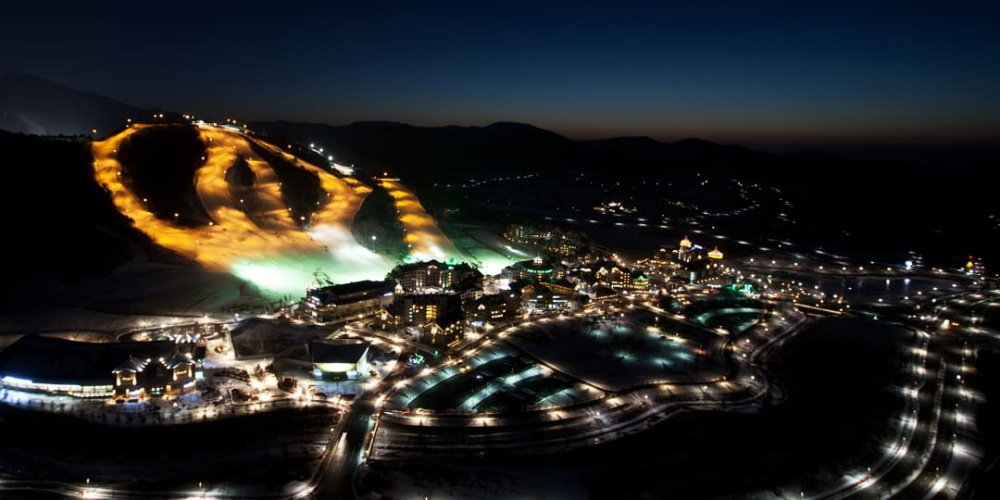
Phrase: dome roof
x=685 y=243
x=715 y=254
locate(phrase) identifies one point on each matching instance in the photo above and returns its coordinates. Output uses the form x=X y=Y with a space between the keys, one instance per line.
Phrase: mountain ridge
x=34 y=105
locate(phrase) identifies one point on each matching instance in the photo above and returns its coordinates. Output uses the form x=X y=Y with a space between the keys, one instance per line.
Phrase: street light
x=373 y=243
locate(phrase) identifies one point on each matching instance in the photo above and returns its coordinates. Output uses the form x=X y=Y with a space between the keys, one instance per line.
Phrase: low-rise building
x=418 y=309
x=333 y=302
x=445 y=331
x=120 y=370
x=338 y=358
x=491 y=308
x=544 y=296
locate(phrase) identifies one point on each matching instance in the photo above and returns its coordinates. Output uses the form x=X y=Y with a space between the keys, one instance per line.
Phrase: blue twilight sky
x=758 y=73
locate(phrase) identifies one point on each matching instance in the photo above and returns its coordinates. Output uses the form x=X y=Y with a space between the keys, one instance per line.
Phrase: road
x=350 y=440
x=416 y=434
x=931 y=455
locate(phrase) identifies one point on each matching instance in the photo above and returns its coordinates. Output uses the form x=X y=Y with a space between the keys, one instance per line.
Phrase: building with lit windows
x=550 y=239
x=544 y=296
x=526 y=233
x=390 y=317
x=684 y=250
x=605 y=295
x=638 y=281
x=142 y=378
x=329 y=303
x=446 y=330
x=664 y=257
x=418 y=309
x=119 y=370
x=537 y=269
x=620 y=278
x=706 y=271
x=493 y=307
x=563 y=286
x=690 y=252
x=418 y=276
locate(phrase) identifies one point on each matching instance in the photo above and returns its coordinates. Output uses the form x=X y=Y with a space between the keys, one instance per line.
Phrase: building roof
x=396 y=308
x=448 y=319
x=563 y=282
x=545 y=288
x=178 y=359
x=443 y=300
x=491 y=299
x=422 y=265
x=337 y=350
x=132 y=364
x=59 y=361
x=536 y=266
x=351 y=292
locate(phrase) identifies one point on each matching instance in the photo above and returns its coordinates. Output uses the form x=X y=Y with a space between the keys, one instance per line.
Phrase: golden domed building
x=685 y=250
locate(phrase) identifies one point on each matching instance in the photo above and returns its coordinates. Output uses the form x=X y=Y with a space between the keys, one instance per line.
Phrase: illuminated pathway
x=425 y=239
x=931 y=455
x=596 y=416
x=254 y=239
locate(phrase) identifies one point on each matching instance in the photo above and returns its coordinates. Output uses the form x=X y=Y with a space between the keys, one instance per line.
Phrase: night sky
x=755 y=73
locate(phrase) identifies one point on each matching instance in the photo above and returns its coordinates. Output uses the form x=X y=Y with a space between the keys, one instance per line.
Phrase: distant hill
x=32 y=105
x=442 y=152
x=430 y=152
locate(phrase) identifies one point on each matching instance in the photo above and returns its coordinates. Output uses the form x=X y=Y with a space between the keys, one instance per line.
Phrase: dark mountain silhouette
x=410 y=151
x=440 y=153
x=429 y=152
x=33 y=105
x=428 y=155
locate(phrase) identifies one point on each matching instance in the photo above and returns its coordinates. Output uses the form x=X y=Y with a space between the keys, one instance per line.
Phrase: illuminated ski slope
x=257 y=239
x=423 y=237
